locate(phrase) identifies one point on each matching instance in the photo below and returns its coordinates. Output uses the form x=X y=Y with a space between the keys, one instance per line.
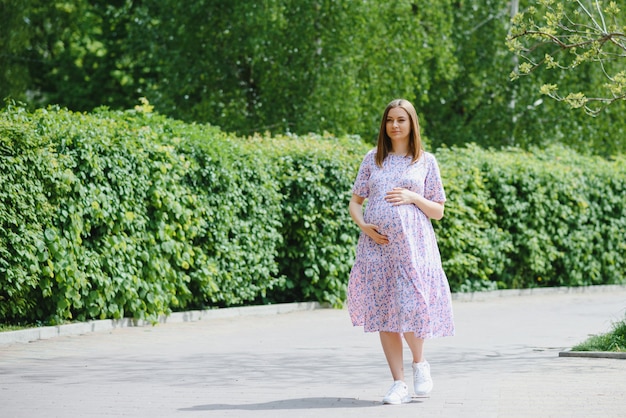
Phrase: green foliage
x=475 y=103
x=131 y=214
x=239 y=213
x=14 y=35
x=289 y=66
x=480 y=104
x=286 y=66
x=614 y=340
x=560 y=213
x=126 y=231
x=472 y=243
x=568 y=36
x=26 y=171
x=118 y=243
x=319 y=234
x=280 y=65
x=519 y=219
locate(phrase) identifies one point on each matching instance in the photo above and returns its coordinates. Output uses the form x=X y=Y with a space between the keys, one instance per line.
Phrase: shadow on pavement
x=301 y=403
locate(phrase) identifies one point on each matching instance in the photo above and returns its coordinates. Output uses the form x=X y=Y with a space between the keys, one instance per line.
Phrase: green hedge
x=116 y=214
x=517 y=219
x=131 y=214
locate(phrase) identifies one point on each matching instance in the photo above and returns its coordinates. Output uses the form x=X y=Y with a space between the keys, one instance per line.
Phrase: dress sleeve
x=361 y=184
x=433 y=186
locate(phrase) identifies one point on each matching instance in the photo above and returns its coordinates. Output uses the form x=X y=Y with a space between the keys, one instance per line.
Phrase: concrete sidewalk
x=503 y=362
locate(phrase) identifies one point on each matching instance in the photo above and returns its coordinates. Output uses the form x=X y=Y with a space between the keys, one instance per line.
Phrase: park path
x=503 y=362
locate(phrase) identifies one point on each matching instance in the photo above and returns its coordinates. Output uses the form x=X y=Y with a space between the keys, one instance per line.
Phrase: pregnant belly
x=388 y=218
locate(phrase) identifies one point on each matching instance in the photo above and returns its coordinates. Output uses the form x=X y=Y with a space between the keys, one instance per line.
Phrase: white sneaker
x=398 y=393
x=422 y=382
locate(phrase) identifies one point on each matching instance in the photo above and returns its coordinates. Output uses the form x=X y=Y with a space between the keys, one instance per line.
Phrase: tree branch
x=555 y=39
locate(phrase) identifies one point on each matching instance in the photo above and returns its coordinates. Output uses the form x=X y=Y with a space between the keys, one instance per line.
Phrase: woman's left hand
x=401 y=196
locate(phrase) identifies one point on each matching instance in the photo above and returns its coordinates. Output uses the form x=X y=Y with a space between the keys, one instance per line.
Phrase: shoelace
x=420 y=375
x=396 y=386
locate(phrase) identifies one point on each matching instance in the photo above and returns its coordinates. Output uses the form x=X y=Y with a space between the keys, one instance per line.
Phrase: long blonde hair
x=415 y=138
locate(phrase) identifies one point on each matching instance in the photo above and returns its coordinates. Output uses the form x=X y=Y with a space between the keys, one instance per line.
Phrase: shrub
x=26 y=172
x=131 y=214
x=316 y=175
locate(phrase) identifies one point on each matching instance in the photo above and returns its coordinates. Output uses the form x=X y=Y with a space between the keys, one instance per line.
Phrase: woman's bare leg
x=392 y=346
x=416 y=345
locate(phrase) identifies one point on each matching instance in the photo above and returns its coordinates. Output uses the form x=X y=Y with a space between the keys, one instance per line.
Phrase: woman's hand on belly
x=401 y=196
x=371 y=231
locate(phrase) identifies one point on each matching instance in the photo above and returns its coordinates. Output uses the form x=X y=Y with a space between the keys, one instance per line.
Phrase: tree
x=14 y=37
x=299 y=67
x=480 y=103
x=477 y=102
x=287 y=65
x=570 y=35
x=277 y=65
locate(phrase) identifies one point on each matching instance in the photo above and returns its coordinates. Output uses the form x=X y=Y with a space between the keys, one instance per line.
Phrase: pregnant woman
x=397 y=285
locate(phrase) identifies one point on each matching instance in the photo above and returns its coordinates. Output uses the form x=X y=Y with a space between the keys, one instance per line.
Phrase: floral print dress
x=399 y=286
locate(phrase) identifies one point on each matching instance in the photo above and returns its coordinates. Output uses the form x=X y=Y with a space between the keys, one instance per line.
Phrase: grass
x=24 y=325
x=615 y=340
x=5 y=328
x=20 y=326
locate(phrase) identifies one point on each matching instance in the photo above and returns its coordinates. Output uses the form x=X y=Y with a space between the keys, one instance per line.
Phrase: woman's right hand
x=356 y=212
x=372 y=231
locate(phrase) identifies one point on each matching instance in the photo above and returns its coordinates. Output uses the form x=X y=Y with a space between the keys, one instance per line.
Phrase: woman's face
x=398 y=125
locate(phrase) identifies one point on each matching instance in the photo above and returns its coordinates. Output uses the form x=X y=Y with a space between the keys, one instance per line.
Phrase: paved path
x=503 y=363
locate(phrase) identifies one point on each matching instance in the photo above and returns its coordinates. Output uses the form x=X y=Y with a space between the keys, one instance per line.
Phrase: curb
x=594 y=354
x=492 y=294
x=44 y=333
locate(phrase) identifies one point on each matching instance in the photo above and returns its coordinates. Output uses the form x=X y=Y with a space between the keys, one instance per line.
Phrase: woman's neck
x=399 y=149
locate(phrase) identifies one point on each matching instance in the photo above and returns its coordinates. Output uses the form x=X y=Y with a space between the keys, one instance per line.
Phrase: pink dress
x=399 y=286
